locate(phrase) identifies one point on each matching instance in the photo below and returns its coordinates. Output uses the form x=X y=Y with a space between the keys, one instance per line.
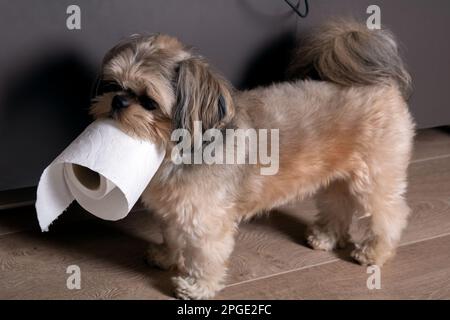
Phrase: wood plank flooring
x=270 y=261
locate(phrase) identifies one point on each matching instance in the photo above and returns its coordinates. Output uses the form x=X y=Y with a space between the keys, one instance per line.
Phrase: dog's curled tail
x=348 y=53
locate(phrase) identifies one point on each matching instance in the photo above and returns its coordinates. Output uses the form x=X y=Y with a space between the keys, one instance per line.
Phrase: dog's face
x=152 y=85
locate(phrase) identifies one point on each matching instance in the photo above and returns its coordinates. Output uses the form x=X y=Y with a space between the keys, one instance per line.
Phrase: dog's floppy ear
x=201 y=95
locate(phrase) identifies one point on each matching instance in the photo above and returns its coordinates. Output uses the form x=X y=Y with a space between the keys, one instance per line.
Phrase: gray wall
x=47 y=71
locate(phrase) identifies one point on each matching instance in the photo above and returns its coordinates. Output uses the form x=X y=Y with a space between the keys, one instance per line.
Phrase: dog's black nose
x=119 y=102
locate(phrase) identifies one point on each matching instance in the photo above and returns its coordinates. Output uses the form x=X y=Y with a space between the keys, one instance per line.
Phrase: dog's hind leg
x=382 y=201
x=336 y=207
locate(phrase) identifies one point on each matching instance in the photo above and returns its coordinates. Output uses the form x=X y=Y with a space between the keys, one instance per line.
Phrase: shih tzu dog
x=346 y=137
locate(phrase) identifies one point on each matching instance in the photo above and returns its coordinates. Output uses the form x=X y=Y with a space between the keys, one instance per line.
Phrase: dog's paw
x=157 y=255
x=368 y=254
x=320 y=240
x=362 y=255
x=189 y=288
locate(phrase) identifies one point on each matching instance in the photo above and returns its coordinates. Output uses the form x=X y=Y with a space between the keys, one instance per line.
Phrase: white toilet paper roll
x=104 y=169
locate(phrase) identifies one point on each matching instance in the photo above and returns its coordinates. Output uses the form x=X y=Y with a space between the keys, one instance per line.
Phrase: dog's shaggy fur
x=347 y=139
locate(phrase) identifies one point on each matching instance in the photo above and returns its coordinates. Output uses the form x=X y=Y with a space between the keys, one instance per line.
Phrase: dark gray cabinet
x=47 y=71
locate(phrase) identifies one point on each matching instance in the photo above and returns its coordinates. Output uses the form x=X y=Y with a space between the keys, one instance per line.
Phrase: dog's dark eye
x=147 y=103
x=106 y=86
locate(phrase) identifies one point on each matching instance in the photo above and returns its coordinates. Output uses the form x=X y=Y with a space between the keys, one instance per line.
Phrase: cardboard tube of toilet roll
x=103 y=169
x=90 y=183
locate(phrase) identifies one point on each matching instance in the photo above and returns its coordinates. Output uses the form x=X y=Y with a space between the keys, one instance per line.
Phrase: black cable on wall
x=296 y=7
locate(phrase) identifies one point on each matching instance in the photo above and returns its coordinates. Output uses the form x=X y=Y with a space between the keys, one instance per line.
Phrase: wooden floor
x=270 y=261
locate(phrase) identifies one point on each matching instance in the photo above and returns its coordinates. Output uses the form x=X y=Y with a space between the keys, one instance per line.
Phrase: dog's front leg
x=205 y=262
x=166 y=255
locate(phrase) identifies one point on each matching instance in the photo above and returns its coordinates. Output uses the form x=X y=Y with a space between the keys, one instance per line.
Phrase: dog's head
x=152 y=85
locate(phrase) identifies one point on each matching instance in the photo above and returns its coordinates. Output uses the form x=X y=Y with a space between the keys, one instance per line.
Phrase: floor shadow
x=77 y=233
x=293 y=227
x=344 y=253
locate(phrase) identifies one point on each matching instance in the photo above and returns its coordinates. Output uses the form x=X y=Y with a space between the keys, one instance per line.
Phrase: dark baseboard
x=17 y=198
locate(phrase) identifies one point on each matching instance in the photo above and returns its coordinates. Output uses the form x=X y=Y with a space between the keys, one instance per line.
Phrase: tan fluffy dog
x=347 y=138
